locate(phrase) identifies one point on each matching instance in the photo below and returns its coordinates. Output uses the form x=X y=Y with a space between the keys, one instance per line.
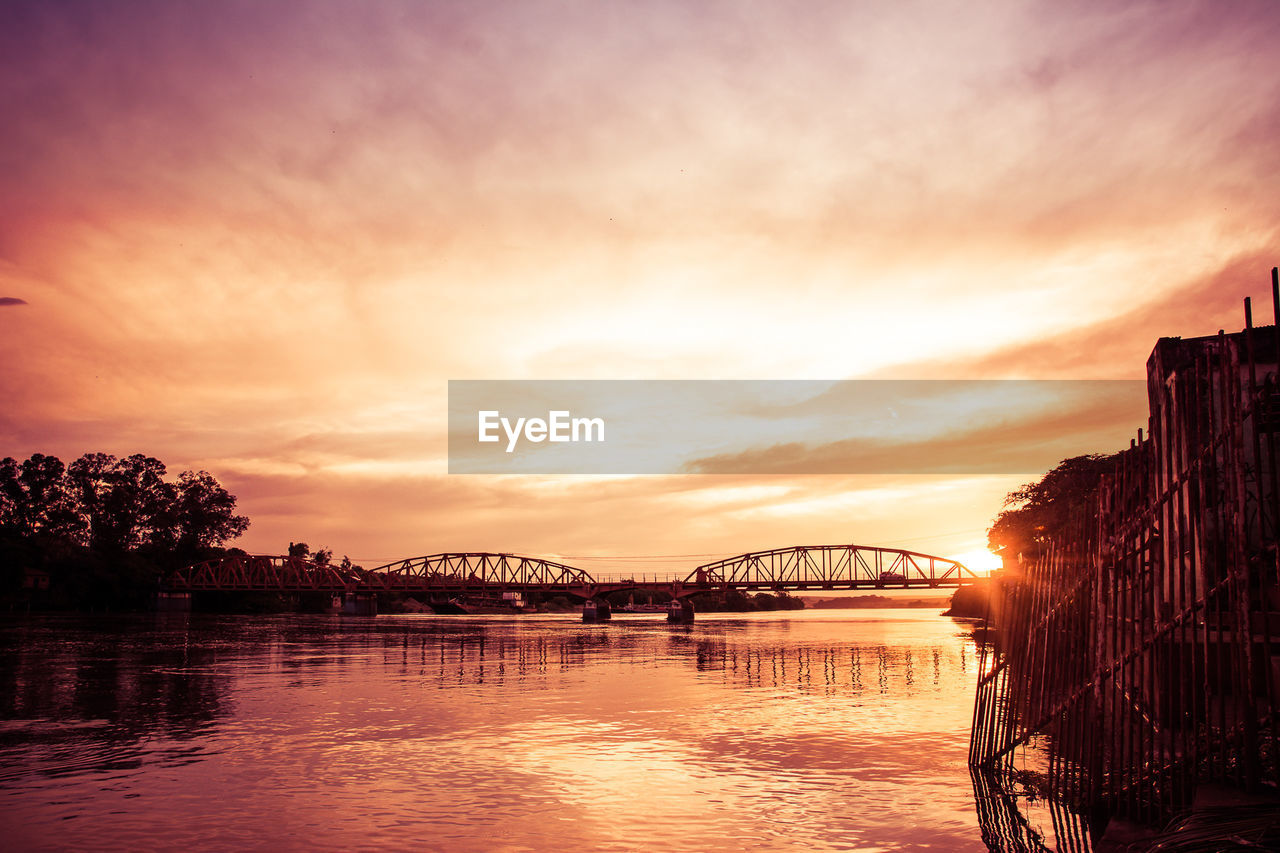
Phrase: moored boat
x=479 y=605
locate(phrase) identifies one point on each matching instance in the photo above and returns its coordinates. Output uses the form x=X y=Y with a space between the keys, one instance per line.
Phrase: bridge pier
x=596 y=611
x=680 y=610
x=359 y=604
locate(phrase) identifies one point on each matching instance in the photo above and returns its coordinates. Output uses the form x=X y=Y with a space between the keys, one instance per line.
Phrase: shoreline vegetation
x=99 y=535
x=970 y=602
x=877 y=602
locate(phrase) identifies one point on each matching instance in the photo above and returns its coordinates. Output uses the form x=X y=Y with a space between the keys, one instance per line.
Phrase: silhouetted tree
x=35 y=499
x=105 y=528
x=323 y=556
x=785 y=601
x=1039 y=510
x=90 y=479
x=203 y=513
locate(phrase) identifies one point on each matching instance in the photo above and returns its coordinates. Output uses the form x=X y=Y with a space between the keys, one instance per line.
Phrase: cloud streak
x=1023 y=442
x=1118 y=346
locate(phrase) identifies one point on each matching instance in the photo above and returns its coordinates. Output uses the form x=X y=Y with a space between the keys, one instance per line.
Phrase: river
x=815 y=730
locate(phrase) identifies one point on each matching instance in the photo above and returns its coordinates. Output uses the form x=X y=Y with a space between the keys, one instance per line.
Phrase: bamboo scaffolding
x=1142 y=643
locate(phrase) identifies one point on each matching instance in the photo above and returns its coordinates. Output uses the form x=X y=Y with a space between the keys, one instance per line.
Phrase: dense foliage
x=1036 y=512
x=729 y=601
x=100 y=531
x=737 y=601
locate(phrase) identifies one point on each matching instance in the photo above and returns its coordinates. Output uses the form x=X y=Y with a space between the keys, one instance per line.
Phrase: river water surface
x=815 y=730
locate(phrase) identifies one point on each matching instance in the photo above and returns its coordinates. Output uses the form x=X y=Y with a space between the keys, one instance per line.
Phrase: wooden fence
x=1140 y=651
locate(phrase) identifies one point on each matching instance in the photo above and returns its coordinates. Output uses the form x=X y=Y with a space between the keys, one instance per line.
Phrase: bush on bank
x=98 y=534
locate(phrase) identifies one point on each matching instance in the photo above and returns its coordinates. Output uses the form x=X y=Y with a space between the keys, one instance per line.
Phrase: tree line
x=100 y=532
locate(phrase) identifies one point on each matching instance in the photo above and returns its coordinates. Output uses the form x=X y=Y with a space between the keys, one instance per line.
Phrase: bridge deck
x=825 y=567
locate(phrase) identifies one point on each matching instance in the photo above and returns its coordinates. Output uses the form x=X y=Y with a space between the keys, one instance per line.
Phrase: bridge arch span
x=800 y=567
x=830 y=567
x=475 y=570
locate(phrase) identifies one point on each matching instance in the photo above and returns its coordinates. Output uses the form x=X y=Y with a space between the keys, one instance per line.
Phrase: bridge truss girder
x=475 y=570
x=796 y=568
x=830 y=567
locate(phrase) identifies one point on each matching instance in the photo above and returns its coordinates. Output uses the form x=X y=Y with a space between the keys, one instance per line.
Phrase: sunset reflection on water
x=822 y=730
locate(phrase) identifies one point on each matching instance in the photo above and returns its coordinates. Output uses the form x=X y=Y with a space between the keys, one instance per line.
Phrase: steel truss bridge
x=802 y=567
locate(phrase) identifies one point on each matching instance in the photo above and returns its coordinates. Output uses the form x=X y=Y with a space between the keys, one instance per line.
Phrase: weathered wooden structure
x=1141 y=650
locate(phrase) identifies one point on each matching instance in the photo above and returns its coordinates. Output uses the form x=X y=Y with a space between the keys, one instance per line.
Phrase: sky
x=260 y=239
